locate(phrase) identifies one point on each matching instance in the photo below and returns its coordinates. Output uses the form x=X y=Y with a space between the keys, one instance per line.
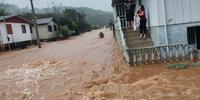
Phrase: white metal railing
x=165 y=53
x=120 y=38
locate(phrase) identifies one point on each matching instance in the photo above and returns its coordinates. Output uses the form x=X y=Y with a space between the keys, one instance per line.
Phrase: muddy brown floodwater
x=89 y=68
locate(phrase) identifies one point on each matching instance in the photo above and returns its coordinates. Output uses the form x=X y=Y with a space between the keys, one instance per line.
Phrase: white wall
x=17 y=35
x=42 y=30
x=44 y=33
x=177 y=11
x=53 y=34
x=152 y=11
x=1 y=40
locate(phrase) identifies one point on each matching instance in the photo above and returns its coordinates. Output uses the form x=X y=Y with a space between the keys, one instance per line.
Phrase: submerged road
x=89 y=68
x=87 y=46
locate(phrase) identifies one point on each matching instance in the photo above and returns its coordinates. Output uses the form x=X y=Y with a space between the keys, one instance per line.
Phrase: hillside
x=91 y=15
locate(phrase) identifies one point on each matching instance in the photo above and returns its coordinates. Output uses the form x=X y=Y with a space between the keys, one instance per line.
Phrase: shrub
x=178 y=66
x=64 y=31
x=197 y=64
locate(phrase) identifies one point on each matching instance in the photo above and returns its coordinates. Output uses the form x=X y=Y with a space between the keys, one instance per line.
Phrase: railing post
x=135 y=57
x=183 y=51
x=177 y=53
x=153 y=55
x=165 y=54
x=191 y=54
x=159 y=54
x=170 y=53
x=147 y=55
x=131 y=56
x=140 y=56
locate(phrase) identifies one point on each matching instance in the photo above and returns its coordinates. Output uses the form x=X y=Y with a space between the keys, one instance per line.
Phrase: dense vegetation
x=90 y=15
x=67 y=20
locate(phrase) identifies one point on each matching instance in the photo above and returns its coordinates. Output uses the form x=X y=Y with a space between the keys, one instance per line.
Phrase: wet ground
x=88 y=68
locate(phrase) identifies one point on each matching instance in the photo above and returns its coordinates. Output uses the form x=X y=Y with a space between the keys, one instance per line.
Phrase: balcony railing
x=154 y=54
x=162 y=54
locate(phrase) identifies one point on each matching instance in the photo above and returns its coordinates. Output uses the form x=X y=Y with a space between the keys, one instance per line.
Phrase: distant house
x=47 y=29
x=14 y=29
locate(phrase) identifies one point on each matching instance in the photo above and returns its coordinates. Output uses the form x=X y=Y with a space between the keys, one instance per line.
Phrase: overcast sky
x=104 y=5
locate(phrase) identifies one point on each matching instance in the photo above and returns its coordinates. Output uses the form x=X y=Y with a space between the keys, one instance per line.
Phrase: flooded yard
x=89 y=68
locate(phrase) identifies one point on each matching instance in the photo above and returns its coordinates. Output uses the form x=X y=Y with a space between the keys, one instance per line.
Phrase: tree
x=2 y=12
x=63 y=31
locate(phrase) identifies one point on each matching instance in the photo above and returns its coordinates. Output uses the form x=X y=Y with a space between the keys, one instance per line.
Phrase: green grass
x=178 y=66
x=197 y=64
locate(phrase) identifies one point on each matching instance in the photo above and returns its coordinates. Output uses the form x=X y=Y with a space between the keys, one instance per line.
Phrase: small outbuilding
x=47 y=29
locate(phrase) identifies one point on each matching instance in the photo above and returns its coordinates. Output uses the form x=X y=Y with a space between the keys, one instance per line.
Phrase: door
x=193 y=34
x=198 y=37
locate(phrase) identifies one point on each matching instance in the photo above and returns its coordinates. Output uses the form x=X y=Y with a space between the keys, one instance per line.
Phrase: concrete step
x=139 y=42
x=133 y=41
x=138 y=39
x=133 y=45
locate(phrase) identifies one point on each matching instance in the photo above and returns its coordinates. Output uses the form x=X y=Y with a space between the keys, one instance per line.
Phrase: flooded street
x=89 y=68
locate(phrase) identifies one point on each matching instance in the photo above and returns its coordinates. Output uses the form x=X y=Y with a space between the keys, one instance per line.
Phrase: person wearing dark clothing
x=143 y=21
x=130 y=7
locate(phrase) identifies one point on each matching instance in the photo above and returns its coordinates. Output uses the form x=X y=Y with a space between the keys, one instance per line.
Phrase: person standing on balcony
x=143 y=20
x=130 y=7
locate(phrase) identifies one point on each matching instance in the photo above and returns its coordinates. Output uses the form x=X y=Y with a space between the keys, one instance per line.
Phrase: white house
x=14 y=29
x=174 y=27
x=47 y=29
x=169 y=21
x=174 y=21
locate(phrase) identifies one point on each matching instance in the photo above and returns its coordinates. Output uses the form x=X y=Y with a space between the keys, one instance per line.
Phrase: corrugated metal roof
x=6 y=17
x=19 y=16
x=44 y=21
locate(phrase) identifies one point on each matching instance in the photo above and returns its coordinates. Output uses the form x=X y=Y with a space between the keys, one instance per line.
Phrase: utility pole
x=8 y=38
x=35 y=24
x=77 y=18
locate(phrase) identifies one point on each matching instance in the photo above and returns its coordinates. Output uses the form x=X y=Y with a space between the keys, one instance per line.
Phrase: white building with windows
x=14 y=29
x=169 y=21
x=47 y=29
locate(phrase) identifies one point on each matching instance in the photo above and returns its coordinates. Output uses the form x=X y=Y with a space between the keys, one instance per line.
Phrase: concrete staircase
x=133 y=41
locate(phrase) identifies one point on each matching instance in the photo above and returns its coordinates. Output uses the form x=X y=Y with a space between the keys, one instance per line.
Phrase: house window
x=9 y=28
x=23 y=28
x=191 y=32
x=55 y=28
x=50 y=29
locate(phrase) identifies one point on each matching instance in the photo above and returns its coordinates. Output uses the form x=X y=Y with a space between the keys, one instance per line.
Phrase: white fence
x=120 y=38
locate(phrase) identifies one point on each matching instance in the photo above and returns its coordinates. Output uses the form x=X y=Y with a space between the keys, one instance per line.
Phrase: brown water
x=89 y=68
